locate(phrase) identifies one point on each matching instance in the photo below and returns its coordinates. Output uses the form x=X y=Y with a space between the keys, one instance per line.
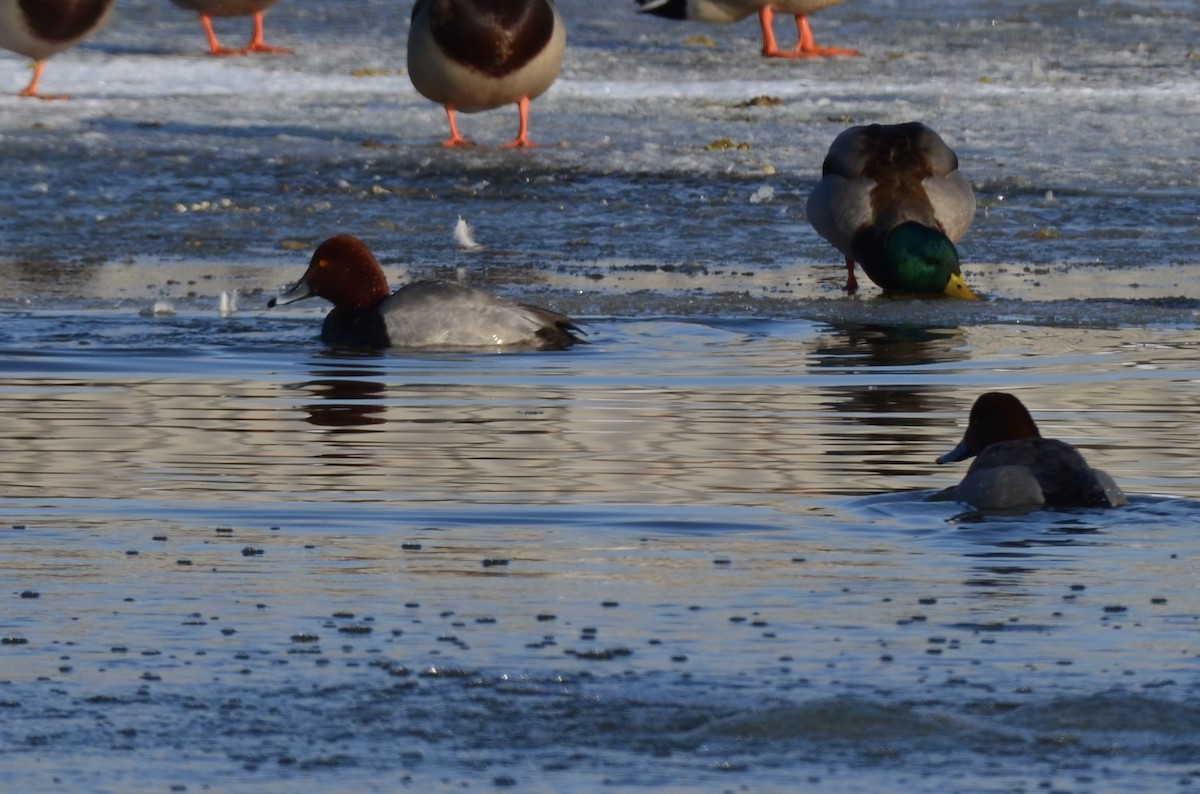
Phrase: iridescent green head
x=921 y=259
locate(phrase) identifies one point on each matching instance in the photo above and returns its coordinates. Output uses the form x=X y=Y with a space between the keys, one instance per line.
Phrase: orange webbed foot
x=47 y=97
x=521 y=142
x=455 y=140
x=796 y=54
x=256 y=40
x=266 y=48
x=807 y=48
x=814 y=51
x=31 y=90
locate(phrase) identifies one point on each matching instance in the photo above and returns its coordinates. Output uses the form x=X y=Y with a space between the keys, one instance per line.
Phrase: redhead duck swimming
x=38 y=29
x=734 y=10
x=422 y=314
x=207 y=9
x=891 y=198
x=475 y=55
x=1016 y=469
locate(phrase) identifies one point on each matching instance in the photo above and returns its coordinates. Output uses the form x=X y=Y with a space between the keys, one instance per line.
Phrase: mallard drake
x=735 y=10
x=1016 y=469
x=421 y=314
x=207 y=9
x=475 y=55
x=38 y=29
x=891 y=198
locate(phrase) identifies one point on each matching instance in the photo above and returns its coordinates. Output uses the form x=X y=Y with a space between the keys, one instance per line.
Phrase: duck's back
x=879 y=176
x=449 y=314
x=1060 y=470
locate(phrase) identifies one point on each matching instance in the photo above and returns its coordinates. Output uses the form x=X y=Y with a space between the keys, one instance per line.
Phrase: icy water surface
x=695 y=554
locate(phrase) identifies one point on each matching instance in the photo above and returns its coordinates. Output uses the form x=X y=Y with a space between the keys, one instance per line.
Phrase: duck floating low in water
x=1015 y=469
x=421 y=314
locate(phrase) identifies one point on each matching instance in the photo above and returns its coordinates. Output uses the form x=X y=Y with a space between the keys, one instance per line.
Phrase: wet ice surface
x=695 y=553
x=1072 y=124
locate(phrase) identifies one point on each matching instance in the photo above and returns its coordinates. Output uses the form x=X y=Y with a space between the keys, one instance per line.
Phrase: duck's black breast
x=1064 y=475
x=62 y=20
x=345 y=327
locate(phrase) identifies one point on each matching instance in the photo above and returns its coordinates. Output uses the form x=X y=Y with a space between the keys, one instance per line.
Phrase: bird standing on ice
x=724 y=11
x=891 y=198
x=38 y=29
x=475 y=55
x=207 y=9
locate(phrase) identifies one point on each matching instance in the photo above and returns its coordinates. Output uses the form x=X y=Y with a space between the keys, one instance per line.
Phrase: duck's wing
x=448 y=314
x=880 y=176
x=1060 y=469
x=840 y=204
x=947 y=189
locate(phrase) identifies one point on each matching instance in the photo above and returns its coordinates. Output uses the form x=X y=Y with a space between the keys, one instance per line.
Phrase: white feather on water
x=464 y=237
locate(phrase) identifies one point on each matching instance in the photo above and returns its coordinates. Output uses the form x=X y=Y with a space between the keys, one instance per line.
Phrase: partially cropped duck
x=207 y=9
x=38 y=29
x=735 y=10
x=892 y=199
x=475 y=55
x=1016 y=469
x=422 y=314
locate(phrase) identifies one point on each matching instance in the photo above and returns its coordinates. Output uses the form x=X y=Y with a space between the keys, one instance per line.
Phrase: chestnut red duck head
x=344 y=272
x=996 y=416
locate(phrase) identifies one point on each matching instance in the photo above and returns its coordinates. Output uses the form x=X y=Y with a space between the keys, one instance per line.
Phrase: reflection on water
x=342 y=400
x=693 y=552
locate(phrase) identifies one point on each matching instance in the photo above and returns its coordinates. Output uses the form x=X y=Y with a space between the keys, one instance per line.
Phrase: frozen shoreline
x=1073 y=127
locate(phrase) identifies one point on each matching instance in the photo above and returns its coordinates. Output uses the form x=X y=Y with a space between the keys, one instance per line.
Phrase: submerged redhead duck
x=422 y=314
x=892 y=199
x=38 y=29
x=1016 y=469
x=734 y=10
x=475 y=55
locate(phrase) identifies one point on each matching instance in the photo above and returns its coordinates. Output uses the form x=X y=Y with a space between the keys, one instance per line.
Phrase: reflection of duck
x=347 y=403
x=734 y=10
x=891 y=198
x=474 y=55
x=877 y=412
x=1016 y=469
x=421 y=314
x=858 y=346
x=40 y=29
x=207 y=9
